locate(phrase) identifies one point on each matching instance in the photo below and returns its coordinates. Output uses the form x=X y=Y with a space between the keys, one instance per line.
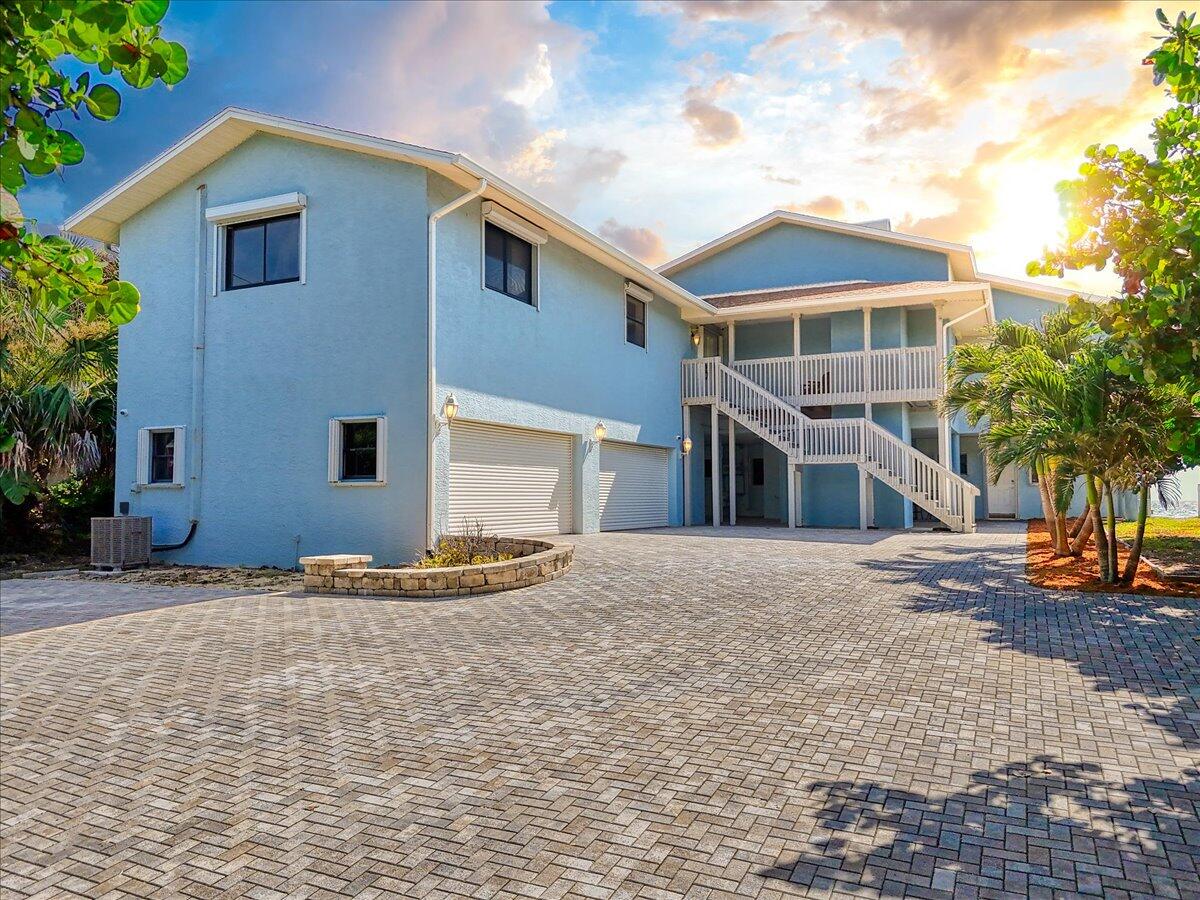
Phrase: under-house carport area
x=742 y=712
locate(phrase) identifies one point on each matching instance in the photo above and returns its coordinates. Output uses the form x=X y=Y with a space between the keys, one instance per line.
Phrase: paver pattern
x=686 y=714
x=28 y=604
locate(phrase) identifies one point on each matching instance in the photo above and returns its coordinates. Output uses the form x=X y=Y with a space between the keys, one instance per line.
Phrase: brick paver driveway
x=683 y=715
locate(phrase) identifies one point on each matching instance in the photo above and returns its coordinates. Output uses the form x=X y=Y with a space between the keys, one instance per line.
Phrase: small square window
x=635 y=321
x=263 y=252
x=357 y=450
x=162 y=457
x=507 y=263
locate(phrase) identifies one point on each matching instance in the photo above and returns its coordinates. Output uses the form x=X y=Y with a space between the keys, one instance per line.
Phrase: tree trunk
x=1093 y=494
x=1048 y=507
x=1080 y=538
x=1078 y=524
x=1113 y=564
x=1135 y=549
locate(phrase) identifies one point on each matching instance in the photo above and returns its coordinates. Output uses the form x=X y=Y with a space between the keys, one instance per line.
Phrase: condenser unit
x=121 y=541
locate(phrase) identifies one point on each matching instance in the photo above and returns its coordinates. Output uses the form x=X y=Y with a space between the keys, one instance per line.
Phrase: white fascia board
x=511 y=222
x=1042 y=291
x=279 y=205
x=849 y=299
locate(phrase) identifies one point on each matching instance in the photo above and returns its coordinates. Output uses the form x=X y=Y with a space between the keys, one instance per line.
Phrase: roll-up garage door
x=511 y=480
x=633 y=486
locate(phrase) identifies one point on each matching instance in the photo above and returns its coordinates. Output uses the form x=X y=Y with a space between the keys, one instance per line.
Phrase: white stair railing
x=883 y=455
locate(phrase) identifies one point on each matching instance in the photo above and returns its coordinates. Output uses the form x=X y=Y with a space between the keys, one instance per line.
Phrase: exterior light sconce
x=449 y=411
x=686 y=446
x=695 y=337
x=600 y=432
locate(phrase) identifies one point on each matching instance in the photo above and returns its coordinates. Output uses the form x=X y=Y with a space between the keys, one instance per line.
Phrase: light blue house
x=353 y=344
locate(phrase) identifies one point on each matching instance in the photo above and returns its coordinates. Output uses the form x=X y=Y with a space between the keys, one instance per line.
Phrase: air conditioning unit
x=122 y=541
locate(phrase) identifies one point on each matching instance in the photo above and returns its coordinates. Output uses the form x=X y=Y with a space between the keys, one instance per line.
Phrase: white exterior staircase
x=942 y=493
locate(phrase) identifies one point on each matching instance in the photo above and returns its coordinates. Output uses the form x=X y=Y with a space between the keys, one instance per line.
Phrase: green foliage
x=1141 y=215
x=57 y=394
x=40 y=38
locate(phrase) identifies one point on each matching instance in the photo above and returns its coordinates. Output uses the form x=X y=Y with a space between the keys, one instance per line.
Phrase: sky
x=660 y=125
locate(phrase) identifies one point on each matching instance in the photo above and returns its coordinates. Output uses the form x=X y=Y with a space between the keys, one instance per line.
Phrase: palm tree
x=1052 y=402
x=1014 y=382
x=57 y=394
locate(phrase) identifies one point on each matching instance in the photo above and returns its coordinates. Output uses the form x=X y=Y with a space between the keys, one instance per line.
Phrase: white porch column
x=793 y=474
x=867 y=375
x=687 y=468
x=796 y=357
x=715 y=451
x=943 y=420
x=732 y=470
x=732 y=326
x=864 y=483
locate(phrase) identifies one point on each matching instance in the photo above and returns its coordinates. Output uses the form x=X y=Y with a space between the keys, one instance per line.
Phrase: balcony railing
x=903 y=374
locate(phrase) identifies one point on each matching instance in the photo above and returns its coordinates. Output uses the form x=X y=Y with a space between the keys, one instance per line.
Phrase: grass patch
x=1172 y=541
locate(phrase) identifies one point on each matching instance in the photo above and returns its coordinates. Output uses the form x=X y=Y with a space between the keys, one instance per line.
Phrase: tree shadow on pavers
x=1040 y=826
x=1122 y=642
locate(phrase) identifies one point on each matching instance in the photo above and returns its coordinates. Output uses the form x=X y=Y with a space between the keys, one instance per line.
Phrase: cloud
x=712 y=126
x=827 y=206
x=641 y=243
x=974 y=199
x=956 y=53
x=715 y=10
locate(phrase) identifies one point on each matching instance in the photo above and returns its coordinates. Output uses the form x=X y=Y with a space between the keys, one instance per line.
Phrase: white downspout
x=199 y=318
x=431 y=350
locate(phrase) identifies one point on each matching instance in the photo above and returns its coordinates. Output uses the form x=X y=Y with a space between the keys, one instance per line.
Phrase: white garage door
x=511 y=480
x=633 y=486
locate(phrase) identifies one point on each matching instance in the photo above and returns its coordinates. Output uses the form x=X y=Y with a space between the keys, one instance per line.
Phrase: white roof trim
x=853 y=299
x=1037 y=289
x=961 y=253
x=101 y=219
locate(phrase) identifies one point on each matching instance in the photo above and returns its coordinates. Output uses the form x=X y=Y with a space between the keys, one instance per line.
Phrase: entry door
x=1002 y=496
x=511 y=480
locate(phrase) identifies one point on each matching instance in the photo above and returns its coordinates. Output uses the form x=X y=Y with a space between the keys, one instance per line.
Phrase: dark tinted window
x=507 y=263
x=757 y=472
x=358 y=451
x=266 y=252
x=635 y=321
x=162 y=457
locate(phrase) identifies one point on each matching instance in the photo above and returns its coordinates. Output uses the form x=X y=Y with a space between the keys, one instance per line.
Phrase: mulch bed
x=1070 y=573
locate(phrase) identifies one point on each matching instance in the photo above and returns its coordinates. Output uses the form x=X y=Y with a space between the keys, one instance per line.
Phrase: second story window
x=507 y=263
x=635 y=321
x=262 y=252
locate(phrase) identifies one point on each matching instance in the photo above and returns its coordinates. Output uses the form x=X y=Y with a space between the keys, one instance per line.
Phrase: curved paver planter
x=346 y=573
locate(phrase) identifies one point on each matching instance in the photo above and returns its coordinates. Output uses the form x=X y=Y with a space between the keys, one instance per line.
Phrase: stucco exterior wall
x=281 y=360
x=561 y=366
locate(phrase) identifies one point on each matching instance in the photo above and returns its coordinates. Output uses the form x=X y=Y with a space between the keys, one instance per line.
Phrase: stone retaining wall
x=346 y=573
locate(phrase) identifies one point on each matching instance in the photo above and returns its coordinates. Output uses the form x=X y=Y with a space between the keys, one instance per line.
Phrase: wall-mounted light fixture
x=600 y=432
x=687 y=446
x=695 y=337
x=450 y=408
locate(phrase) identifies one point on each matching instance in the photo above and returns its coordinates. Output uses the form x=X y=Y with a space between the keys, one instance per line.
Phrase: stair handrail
x=783 y=420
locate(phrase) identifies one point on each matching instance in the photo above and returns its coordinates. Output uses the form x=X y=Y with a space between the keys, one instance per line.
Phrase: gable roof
x=102 y=218
x=961 y=257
